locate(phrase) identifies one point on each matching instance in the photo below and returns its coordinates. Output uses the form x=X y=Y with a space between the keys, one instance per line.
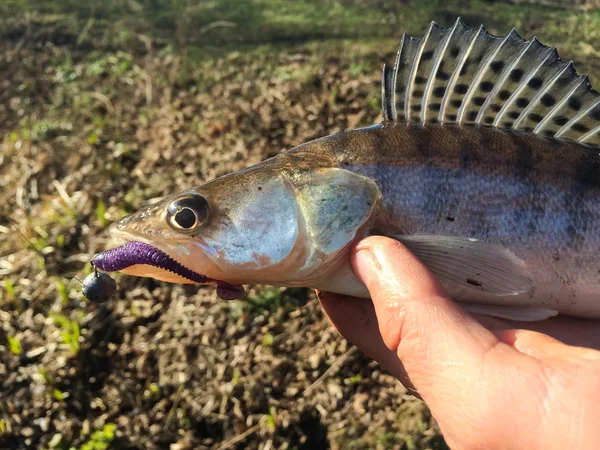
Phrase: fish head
x=267 y=224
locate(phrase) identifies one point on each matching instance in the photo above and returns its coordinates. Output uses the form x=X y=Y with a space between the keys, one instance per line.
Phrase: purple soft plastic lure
x=135 y=252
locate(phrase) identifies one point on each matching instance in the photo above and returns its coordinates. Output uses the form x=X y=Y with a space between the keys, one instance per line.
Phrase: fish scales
x=447 y=165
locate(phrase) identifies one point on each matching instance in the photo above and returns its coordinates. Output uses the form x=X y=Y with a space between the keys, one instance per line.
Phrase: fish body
x=486 y=166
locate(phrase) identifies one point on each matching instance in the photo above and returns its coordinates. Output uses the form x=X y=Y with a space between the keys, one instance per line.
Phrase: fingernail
x=363 y=263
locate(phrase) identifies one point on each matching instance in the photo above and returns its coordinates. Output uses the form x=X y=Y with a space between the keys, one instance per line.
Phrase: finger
x=440 y=345
x=355 y=319
x=568 y=330
x=542 y=346
x=400 y=284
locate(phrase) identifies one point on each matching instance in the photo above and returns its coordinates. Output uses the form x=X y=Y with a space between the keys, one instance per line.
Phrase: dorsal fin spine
x=542 y=92
x=479 y=75
x=577 y=117
x=395 y=78
x=590 y=134
x=431 y=80
x=456 y=73
x=557 y=107
x=518 y=91
x=499 y=85
x=406 y=41
x=388 y=93
x=413 y=72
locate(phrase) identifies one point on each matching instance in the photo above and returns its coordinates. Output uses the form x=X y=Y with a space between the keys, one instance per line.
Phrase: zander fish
x=486 y=165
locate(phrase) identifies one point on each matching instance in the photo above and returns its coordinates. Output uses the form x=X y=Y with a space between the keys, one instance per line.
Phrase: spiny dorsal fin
x=467 y=76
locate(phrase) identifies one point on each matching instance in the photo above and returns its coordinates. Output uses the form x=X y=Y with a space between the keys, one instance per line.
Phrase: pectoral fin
x=470 y=263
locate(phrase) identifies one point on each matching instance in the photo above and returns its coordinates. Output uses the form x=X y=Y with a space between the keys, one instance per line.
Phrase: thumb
x=434 y=339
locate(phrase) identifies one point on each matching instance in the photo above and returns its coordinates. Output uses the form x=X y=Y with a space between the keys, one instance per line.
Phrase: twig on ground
x=104 y=99
x=240 y=437
x=332 y=369
x=217 y=24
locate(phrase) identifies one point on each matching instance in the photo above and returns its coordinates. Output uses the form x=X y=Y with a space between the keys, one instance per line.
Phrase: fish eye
x=187 y=214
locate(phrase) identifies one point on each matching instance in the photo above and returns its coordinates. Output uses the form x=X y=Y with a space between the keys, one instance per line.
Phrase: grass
x=58 y=395
x=212 y=28
x=69 y=332
x=101 y=439
x=14 y=345
x=109 y=104
x=101 y=216
x=9 y=290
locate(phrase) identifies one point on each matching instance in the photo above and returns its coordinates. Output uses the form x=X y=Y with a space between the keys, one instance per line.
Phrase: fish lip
x=137 y=250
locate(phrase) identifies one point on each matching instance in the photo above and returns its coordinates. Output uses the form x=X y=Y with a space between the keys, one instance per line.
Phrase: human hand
x=490 y=383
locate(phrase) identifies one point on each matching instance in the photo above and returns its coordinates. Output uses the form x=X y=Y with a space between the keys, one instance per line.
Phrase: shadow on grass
x=226 y=24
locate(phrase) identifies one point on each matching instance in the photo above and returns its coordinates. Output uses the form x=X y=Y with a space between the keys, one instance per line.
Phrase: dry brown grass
x=96 y=121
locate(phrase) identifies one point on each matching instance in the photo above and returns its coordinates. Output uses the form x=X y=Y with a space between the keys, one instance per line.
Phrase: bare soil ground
x=103 y=108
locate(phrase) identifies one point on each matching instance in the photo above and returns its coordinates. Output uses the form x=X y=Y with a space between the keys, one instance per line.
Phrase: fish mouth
x=135 y=257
